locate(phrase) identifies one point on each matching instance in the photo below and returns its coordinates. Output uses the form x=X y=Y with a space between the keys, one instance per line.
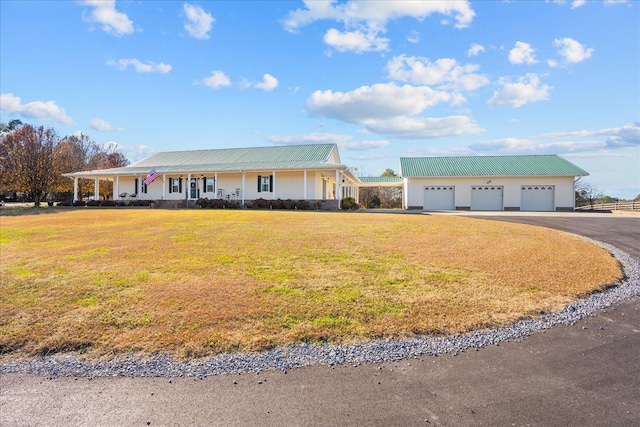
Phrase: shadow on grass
x=24 y=209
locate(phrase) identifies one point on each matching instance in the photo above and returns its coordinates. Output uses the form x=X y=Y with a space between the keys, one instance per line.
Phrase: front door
x=193 y=186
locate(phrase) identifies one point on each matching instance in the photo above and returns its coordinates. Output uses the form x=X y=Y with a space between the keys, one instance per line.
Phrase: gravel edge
x=297 y=356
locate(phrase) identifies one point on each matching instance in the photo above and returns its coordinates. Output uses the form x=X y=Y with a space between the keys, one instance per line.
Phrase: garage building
x=489 y=183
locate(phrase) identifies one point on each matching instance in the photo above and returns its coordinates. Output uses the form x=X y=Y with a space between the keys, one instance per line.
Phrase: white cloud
x=391 y=110
x=345 y=142
x=475 y=49
x=216 y=79
x=578 y=3
x=356 y=41
x=571 y=50
x=268 y=83
x=522 y=53
x=199 y=22
x=364 y=145
x=445 y=73
x=363 y=20
x=604 y=142
x=149 y=67
x=526 y=90
x=103 y=125
x=625 y=136
x=424 y=127
x=34 y=110
x=552 y=63
x=380 y=101
x=104 y=12
x=413 y=37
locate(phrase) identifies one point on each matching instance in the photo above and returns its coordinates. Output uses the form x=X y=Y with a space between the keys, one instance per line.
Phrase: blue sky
x=383 y=80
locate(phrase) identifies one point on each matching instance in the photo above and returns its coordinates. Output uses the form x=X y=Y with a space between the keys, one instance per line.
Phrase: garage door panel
x=537 y=198
x=486 y=198
x=439 y=198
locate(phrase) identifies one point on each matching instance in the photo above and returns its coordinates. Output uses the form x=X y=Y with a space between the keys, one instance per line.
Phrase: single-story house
x=489 y=183
x=314 y=172
x=301 y=172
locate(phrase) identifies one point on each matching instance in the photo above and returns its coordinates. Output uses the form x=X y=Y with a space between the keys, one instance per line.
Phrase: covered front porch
x=234 y=185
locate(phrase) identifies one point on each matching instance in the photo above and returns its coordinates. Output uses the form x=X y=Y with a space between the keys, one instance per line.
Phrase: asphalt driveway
x=582 y=375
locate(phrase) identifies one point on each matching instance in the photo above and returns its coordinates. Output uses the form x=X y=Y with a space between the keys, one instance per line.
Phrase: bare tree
x=587 y=193
x=27 y=160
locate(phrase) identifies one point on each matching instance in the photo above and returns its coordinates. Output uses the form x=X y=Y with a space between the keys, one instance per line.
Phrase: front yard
x=200 y=282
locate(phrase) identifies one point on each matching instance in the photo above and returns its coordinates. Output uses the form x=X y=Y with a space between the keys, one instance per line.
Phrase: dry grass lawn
x=200 y=282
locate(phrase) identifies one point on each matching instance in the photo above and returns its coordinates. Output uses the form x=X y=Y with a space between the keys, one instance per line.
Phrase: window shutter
x=170 y=181
x=270 y=183
x=259 y=183
x=180 y=185
x=136 y=184
x=204 y=184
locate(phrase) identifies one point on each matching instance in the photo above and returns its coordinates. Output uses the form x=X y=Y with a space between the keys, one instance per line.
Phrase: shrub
x=79 y=203
x=303 y=205
x=349 y=203
x=260 y=204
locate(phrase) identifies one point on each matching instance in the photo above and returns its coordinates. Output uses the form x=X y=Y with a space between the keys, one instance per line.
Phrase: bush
x=79 y=203
x=349 y=203
x=260 y=204
x=303 y=205
x=375 y=202
x=140 y=202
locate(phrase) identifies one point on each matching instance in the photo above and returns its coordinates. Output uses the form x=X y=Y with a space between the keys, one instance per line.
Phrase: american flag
x=151 y=176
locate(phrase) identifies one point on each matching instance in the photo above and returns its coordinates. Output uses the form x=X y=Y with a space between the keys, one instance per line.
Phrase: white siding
x=537 y=198
x=563 y=195
x=439 y=198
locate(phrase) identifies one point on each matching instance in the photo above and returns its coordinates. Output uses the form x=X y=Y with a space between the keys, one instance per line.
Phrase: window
x=175 y=185
x=265 y=184
x=143 y=189
x=209 y=185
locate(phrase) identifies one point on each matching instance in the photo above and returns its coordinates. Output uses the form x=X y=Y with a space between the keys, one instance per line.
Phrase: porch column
x=273 y=189
x=96 y=189
x=116 y=188
x=164 y=186
x=244 y=176
x=338 y=189
x=305 y=185
x=188 y=186
x=75 y=188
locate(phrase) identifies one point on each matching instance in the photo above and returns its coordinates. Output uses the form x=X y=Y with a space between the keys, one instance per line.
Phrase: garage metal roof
x=535 y=165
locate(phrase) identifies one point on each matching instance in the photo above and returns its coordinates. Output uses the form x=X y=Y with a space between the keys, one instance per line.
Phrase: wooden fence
x=617 y=206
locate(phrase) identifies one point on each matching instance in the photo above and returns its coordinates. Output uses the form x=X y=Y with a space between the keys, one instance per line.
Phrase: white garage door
x=486 y=198
x=537 y=198
x=438 y=198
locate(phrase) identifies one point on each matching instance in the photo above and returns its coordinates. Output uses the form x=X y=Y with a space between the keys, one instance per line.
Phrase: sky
x=381 y=79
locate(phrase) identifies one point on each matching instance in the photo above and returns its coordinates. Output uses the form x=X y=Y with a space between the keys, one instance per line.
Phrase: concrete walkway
x=583 y=375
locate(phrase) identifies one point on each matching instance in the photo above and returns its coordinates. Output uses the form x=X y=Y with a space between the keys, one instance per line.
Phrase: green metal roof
x=537 y=165
x=297 y=157
x=377 y=179
x=236 y=156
